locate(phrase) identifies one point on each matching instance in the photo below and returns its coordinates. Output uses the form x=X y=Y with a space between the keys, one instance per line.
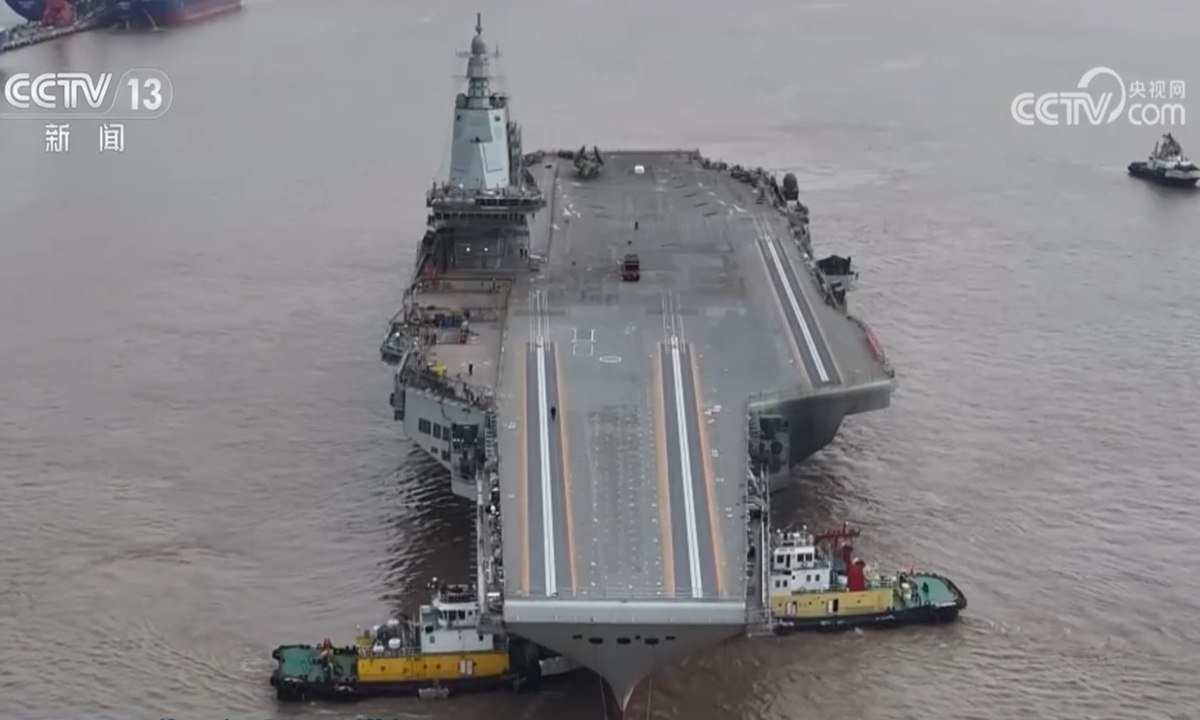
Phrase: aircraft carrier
x=616 y=355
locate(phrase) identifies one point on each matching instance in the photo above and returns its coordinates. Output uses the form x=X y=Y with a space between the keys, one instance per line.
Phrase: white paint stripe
x=547 y=500
x=685 y=466
x=787 y=288
x=544 y=423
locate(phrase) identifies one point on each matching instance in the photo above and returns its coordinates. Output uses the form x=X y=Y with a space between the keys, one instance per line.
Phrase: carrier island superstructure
x=619 y=437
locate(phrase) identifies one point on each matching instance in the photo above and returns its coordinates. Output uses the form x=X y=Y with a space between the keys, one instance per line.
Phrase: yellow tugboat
x=441 y=650
x=816 y=582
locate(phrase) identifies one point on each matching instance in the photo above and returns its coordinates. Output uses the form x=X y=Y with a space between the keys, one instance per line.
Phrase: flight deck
x=626 y=401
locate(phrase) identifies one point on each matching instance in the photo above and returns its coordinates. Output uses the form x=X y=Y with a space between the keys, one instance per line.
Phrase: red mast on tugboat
x=855 y=569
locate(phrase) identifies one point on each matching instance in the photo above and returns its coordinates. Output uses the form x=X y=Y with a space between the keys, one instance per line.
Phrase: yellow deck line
x=566 y=472
x=664 y=486
x=710 y=480
x=523 y=485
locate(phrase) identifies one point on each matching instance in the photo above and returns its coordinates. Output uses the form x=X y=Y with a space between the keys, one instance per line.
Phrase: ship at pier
x=142 y=13
x=52 y=19
x=31 y=10
x=56 y=13
x=616 y=354
x=165 y=13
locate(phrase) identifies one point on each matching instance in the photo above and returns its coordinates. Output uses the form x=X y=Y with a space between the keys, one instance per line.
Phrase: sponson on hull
x=614 y=353
x=1167 y=165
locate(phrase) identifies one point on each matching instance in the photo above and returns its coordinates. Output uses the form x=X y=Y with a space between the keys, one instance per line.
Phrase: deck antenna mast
x=479 y=50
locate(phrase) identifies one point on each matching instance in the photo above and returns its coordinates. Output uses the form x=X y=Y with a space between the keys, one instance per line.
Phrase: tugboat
x=1167 y=165
x=812 y=586
x=442 y=650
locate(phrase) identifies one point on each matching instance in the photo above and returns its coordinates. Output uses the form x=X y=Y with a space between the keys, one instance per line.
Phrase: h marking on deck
x=583 y=347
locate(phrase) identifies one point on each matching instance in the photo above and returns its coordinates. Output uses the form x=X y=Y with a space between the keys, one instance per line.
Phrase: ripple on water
x=155 y=612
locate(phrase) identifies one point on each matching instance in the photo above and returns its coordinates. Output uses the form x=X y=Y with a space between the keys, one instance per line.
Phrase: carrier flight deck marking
x=663 y=468
x=524 y=494
x=803 y=326
x=548 y=529
x=710 y=477
x=693 y=538
x=564 y=452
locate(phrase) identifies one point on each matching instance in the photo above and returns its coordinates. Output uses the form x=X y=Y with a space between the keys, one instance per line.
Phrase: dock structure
x=59 y=18
x=25 y=35
x=619 y=434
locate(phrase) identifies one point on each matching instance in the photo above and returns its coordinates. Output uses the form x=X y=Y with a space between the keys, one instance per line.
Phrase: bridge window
x=424 y=426
x=596 y=641
x=576 y=637
x=651 y=641
x=437 y=431
x=670 y=638
x=623 y=641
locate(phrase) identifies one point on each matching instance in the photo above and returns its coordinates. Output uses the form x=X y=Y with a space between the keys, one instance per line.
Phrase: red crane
x=59 y=13
x=837 y=543
x=845 y=532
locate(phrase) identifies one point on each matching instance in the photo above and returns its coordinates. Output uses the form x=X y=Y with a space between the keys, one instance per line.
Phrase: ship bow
x=625 y=642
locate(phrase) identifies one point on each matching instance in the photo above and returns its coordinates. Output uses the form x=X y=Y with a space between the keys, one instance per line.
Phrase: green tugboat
x=815 y=582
